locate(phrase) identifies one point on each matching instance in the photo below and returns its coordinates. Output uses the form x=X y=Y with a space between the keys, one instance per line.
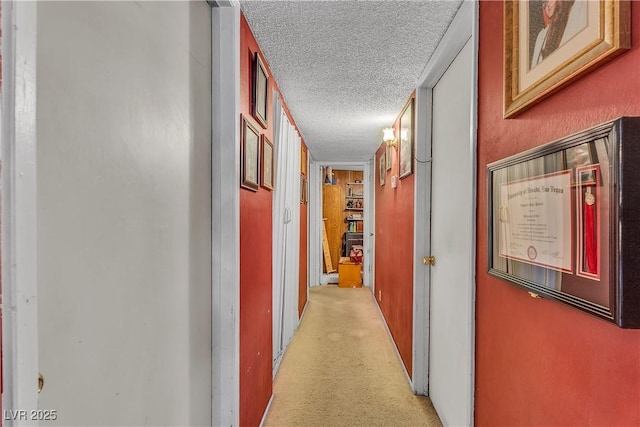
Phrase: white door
x=452 y=244
x=124 y=300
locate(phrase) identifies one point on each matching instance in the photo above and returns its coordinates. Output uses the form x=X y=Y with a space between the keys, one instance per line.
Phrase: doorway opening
x=340 y=224
x=343 y=203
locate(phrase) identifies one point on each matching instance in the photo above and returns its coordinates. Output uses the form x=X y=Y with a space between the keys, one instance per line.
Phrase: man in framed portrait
x=560 y=19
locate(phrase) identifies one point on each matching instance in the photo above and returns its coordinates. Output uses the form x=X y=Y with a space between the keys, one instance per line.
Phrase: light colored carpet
x=341 y=369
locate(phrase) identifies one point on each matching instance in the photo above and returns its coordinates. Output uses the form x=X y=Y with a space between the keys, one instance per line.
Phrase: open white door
x=452 y=245
x=445 y=185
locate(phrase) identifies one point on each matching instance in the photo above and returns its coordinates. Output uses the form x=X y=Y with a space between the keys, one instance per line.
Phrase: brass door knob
x=429 y=260
x=40 y=383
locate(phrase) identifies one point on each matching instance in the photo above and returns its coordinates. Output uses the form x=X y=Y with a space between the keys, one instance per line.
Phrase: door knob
x=429 y=260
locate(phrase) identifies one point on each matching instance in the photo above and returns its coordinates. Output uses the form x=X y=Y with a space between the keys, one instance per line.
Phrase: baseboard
x=304 y=310
x=266 y=411
x=395 y=347
x=276 y=368
x=279 y=361
x=327 y=279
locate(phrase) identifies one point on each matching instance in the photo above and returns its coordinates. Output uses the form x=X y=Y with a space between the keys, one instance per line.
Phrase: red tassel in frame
x=590 y=242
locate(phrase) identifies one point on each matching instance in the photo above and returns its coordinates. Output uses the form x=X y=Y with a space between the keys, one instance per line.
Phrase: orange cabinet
x=349 y=274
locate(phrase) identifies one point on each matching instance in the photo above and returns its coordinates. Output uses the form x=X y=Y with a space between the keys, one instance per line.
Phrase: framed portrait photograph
x=250 y=152
x=383 y=168
x=267 y=163
x=549 y=43
x=260 y=91
x=405 y=149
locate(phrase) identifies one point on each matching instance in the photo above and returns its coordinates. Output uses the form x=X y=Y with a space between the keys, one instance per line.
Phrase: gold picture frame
x=382 y=167
x=267 y=163
x=303 y=160
x=304 y=191
x=548 y=44
x=389 y=150
x=250 y=151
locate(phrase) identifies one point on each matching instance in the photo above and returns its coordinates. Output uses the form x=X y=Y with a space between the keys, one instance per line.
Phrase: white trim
x=369 y=227
x=304 y=311
x=393 y=342
x=308 y=231
x=354 y=166
x=225 y=215
x=463 y=27
x=314 y=209
x=19 y=213
x=460 y=30
x=422 y=243
x=371 y=219
x=278 y=362
x=473 y=147
x=266 y=411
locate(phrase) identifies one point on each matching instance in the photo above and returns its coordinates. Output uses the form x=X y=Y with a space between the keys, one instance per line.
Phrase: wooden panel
x=343 y=178
x=326 y=253
x=332 y=210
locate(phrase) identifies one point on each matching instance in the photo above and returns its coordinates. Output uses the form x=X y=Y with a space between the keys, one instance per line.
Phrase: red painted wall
x=394 y=255
x=255 y=265
x=256 y=231
x=539 y=362
x=304 y=218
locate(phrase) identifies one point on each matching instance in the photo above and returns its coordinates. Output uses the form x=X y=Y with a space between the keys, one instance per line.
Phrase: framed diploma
x=564 y=221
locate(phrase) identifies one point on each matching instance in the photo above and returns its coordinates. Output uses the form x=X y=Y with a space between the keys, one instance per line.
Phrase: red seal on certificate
x=532 y=253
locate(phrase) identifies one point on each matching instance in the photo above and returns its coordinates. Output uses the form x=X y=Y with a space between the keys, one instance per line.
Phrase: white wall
x=124 y=205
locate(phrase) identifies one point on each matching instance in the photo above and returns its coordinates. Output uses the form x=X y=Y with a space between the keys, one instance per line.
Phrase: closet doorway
x=344 y=226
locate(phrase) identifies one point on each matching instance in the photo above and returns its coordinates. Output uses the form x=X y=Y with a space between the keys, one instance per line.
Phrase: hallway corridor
x=341 y=369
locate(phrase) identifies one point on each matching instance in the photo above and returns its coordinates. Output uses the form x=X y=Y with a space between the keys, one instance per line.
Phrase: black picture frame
x=250 y=153
x=527 y=244
x=406 y=138
x=260 y=96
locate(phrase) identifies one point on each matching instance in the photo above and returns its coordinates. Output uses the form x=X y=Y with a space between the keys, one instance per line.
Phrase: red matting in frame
x=588 y=224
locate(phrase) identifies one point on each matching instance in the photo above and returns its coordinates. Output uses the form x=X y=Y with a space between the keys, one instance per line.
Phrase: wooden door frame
x=463 y=28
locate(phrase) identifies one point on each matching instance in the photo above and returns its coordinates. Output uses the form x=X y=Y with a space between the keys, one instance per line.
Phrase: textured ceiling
x=346 y=68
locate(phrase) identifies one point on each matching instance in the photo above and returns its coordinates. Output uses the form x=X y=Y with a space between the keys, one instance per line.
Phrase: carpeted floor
x=341 y=369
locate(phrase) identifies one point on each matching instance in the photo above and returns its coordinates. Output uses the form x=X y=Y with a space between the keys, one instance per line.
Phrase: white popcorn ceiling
x=347 y=67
